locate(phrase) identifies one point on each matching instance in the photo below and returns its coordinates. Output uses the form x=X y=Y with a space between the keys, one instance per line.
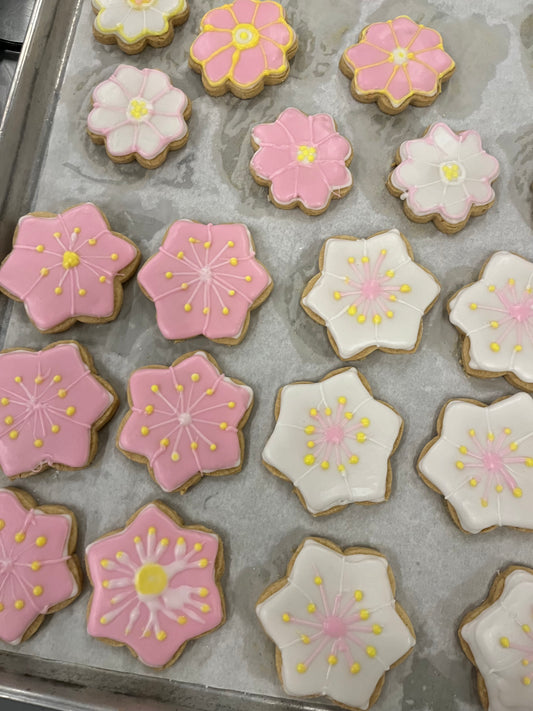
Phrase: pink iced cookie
x=52 y=403
x=205 y=280
x=185 y=421
x=303 y=160
x=68 y=267
x=39 y=572
x=397 y=63
x=156 y=585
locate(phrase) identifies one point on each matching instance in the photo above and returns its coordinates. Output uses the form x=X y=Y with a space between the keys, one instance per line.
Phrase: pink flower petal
x=337 y=174
x=399 y=85
x=364 y=55
x=278 y=32
x=269 y=160
x=374 y=78
x=322 y=126
x=380 y=35
x=219 y=65
x=275 y=57
x=438 y=59
x=336 y=147
x=250 y=66
x=422 y=78
x=313 y=189
x=208 y=43
x=405 y=30
x=285 y=185
x=267 y=12
x=244 y=10
x=272 y=133
x=220 y=18
x=297 y=124
x=426 y=39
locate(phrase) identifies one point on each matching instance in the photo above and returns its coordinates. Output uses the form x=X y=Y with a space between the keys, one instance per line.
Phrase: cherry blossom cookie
x=39 y=571
x=445 y=177
x=243 y=46
x=52 y=404
x=370 y=294
x=494 y=316
x=205 y=280
x=185 y=421
x=156 y=585
x=333 y=441
x=303 y=160
x=397 y=63
x=68 y=267
x=335 y=623
x=138 y=114
x=132 y=24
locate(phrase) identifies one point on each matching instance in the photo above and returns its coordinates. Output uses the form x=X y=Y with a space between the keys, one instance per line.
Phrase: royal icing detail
x=333 y=440
x=336 y=624
x=445 y=174
x=155 y=586
x=34 y=571
x=398 y=62
x=204 y=280
x=64 y=267
x=482 y=462
x=50 y=402
x=370 y=294
x=496 y=315
x=185 y=420
x=132 y=21
x=303 y=159
x=138 y=112
x=243 y=45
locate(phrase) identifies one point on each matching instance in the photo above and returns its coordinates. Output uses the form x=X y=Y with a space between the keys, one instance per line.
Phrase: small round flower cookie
x=132 y=24
x=39 y=571
x=68 y=267
x=335 y=623
x=397 y=63
x=138 y=114
x=303 y=160
x=208 y=274
x=445 y=177
x=370 y=294
x=482 y=462
x=185 y=421
x=156 y=585
x=52 y=404
x=494 y=316
x=243 y=46
x=333 y=441
x=497 y=639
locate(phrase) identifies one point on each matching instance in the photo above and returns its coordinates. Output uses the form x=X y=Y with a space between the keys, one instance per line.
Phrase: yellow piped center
x=70 y=260
x=151 y=579
x=138 y=109
x=245 y=36
x=306 y=154
x=451 y=172
x=401 y=55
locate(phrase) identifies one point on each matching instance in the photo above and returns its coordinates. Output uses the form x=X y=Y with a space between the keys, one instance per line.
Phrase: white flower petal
x=110 y=94
x=169 y=126
x=416 y=174
x=101 y=120
x=480 y=191
x=112 y=16
x=171 y=7
x=149 y=143
x=481 y=166
x=455 y=203
x=134 y=26
x=121 y=141
x=155 y=21
x=172 y=102
x=156 y=83
x=426 y=199
x=447 y=142
x=470 y=145
x=421 y=151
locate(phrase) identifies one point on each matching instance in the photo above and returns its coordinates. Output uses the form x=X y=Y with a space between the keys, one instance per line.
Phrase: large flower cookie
x=205 y=280
x=39 y=571
x=156 y=585
x=52 y=403
x=397 y=63
x=132 y=24
x=482 y=462
x=303 y=160
x=495 y=317
x=242 y=46
x=185 y=421
x=333 y=441
x=335 y=623
x=370 y=294
x=68 y=267
x=139 y=115
x=445 y=177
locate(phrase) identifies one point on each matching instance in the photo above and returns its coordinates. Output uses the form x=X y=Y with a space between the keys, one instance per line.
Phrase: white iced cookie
x=497 y=638
x=335 y=623
x=370 y=295
x=333 y=441
x=482 y=462
x=495 y=316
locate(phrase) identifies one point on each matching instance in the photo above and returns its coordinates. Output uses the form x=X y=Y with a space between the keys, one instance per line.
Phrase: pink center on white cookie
x=133 y=20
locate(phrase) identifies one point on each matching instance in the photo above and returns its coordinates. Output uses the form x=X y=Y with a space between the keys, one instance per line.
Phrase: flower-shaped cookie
x=205 y=280
x=445 y=177
x=185 y=421
x=495 y=317
x=335 y=623
x=370 y=294
x=132 y=24
x=482 y=462
x=242 y=46
x=138 y=115
x=303 y=160
x=68 y=267
x=156 y=585
x=39 y=571
x=497 y=638
x=333 y=441
x=52 y=403
x=397 y=63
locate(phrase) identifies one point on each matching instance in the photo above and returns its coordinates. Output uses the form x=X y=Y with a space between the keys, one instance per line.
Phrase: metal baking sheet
x=440 y=571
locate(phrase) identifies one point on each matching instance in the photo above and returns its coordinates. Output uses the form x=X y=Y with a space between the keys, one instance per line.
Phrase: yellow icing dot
x=203 y=563
x=187 y=308
x=301 y=668
x=207 y=245
x=19 y=604
x=364 y=614
x=137 y=539
x=355 y=668
x=351 y=260
x=77 y=230
x=318 y=580
x=494 y=347
x=62 y=393
x=18 y=379
x=104 y=563
x=70 y=260
x=511 y=282
x=102 y=279
x=231 y=243
x=70 y=410
x=305 y=639
x=361 y=318
x=390 y=314
x=311 y=607
x=526 y=681
x=472 y=433
x=82 y=292
x=309 y=429
x=233 y=261
x=309 y=459
x=499 y=488
x=92 y=241
x=490 y=436
x=484 y=503
x=354 y=459
x=517 y=492
x=149 y=409
x=332 y=660
x=57 y=378
x=20 y=536
x=38 y=380
x=39 y=248
x=35 y=565
x=105 y=583
x=41 y=541
x=513 y=446
x=324 y=465
x=37 y=590
x=164 y=442
x=13 y=434
x=341 y=468
x=473 y=306
x=529 y=461
x=223 y=425
x=212 y=447
x=313 y=412
x=371 y=651
x=310 y=444
x=180 y=255
x=58 y=290
x=154 y=388
x=361 y=437
x=38 y=443
x=8 y=420
x=179 y=388
x=393 y=297
x=365 y=260
x=365 y=421
x=463 y=449
x=328 y=411
x=205 y=310
x=286 y=617
x=473 y=482
x=44 y=271
x=2 y=523
x=526 y=628
x=352 y=310
x=205 y=608
x=459 y=465
x=377 y=319
x=225 y=311
x=358 y=595
x=231 y=292
x=182 y=620
x=377 y=629
x=145 y=431
x=231 y=405
x=405 y=288
x=161 y=635
x=103 y=620
x=203 y=592
x=518 y=348
x=248 y=278
x=494 y=324
x=195 y=377
x=390 y=273
x=57 y=235
x=4 y=401
x=169 y=275
x=175 y=457
x=525 y=662
x=336 y=295
x=114 y=256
